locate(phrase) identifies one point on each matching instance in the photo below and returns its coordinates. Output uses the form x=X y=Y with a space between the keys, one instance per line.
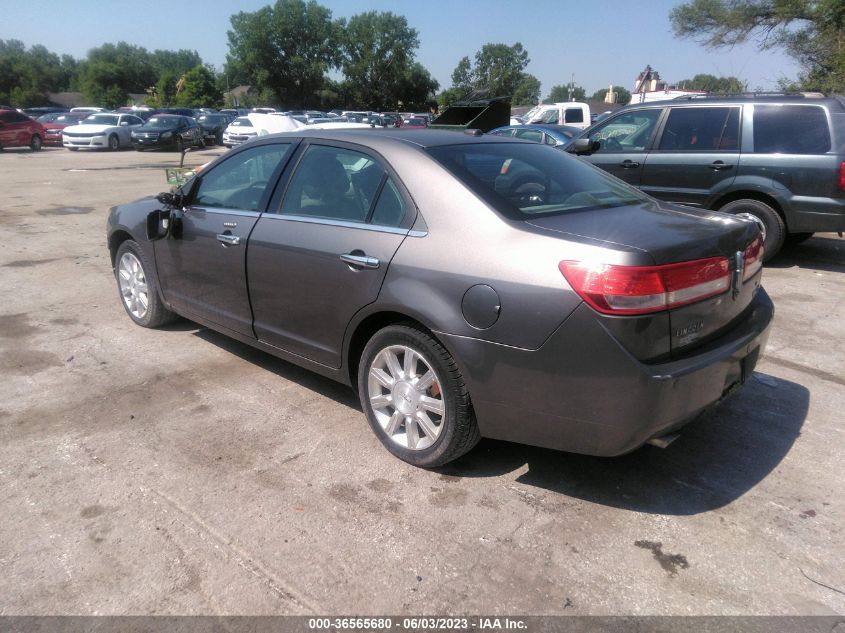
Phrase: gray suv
x=779 y=160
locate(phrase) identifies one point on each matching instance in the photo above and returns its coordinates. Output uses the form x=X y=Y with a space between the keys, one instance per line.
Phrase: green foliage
x=283 y=50
x=527 y=91
x=378 y=55
x=26 y=76
x=499 y=70
x=197 y=88
x=566 y=92
x=711 y=83
x=462 y=76
x=175 y=62
x=810 y=31
x=623 y=96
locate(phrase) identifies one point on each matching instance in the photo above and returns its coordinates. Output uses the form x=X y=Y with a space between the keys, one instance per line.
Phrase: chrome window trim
x=347 y=225
x=222 y=211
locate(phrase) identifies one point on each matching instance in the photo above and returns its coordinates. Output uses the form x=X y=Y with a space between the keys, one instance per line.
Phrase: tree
x=810 y=31
x=378 y=51
x=462 y=75
x=113 y=70
x=416 y=88
x=284 y=50
x=527 y=91
x=499 y=68
x=622 y=95
x=176 y=62
x=198 y=89
x=568 y=92
x=26 y=76
x=711 y=83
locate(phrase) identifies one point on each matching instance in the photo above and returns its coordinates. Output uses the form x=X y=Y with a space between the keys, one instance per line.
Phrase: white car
x=103 y=130
x=239 y=130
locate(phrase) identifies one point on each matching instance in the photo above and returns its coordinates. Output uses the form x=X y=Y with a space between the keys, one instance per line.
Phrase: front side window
x=629 y=132
x=240 y=181
x=550 y=116
x=701 y=129
x=790 y=129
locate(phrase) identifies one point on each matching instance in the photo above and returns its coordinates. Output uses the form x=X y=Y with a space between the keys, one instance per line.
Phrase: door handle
x=228 y=240
x=360 y=261
x=719 y=166
x=628 y=164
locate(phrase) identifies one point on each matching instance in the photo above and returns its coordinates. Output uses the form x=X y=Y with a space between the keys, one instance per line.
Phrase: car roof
x=836 y=102
x=397 y=136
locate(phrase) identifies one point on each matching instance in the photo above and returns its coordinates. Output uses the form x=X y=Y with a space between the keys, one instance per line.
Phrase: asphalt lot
x=179 y=472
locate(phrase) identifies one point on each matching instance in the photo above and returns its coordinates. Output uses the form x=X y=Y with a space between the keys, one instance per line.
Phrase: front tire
x=180 y=145
x=36 y=143
x=415 y=398
x=765 y=215
x=114 y=143
x=138 y=289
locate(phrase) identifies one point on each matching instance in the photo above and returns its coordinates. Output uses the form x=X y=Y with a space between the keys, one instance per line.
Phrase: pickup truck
x=572 y=113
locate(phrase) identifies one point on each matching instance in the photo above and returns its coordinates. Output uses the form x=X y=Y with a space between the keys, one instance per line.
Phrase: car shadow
x=817 y=253
x=716 y=460
x=341 y=394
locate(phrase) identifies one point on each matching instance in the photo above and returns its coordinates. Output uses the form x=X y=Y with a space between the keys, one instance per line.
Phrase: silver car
x=464 y=285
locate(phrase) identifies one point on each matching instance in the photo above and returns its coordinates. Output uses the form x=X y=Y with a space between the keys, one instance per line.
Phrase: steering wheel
x=611 y=145
x=529 y=194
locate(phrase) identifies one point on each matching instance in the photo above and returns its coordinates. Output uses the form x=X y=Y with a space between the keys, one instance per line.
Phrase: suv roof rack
x=751 y=95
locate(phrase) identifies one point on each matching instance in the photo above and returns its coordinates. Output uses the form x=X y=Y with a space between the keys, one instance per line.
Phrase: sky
x=601 y=42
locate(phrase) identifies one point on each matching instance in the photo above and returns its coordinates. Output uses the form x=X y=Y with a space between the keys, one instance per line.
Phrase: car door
x=128 y=122
x=323 y=255
x=624 y=141
x=7 y=129
x=696 y=156
x=202 y=270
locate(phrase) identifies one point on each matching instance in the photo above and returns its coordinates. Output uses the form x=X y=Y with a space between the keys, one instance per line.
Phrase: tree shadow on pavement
x=716 y=459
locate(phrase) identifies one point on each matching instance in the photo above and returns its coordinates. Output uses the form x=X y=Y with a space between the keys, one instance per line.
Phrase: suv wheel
x=774 y=230
x=415 y=398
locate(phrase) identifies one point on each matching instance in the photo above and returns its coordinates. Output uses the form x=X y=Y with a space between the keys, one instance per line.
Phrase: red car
x=55 y=122
x=18 y=130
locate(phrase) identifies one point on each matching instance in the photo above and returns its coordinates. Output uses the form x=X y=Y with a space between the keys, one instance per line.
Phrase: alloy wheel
x=133 y=285
x=406 y=397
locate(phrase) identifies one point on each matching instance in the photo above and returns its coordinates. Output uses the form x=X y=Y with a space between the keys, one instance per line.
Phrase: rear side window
x=701 y=129
x=790 y=130
x=574 y=115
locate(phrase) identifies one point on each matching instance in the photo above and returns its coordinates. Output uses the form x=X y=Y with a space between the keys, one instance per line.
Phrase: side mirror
x=170 y=199
x=584 y=146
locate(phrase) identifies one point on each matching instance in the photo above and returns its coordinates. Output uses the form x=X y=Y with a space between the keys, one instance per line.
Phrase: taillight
x=623 y=290
x=842 y=175
x=753 y=257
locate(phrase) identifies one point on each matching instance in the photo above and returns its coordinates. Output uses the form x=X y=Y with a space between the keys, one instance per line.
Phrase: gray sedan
x=466 y=286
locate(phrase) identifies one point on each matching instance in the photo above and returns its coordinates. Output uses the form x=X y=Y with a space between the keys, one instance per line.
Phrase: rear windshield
x=528 y=180
x=790 y=129
x=162 y=122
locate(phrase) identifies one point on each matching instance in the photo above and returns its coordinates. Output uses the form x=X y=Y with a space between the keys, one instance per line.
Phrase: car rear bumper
x=582 y=392
x=816 y=214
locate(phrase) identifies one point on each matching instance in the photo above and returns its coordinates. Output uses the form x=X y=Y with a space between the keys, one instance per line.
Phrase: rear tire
x=415 y=398
x=35 y=143
x=765 y=215
x=138 y=288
